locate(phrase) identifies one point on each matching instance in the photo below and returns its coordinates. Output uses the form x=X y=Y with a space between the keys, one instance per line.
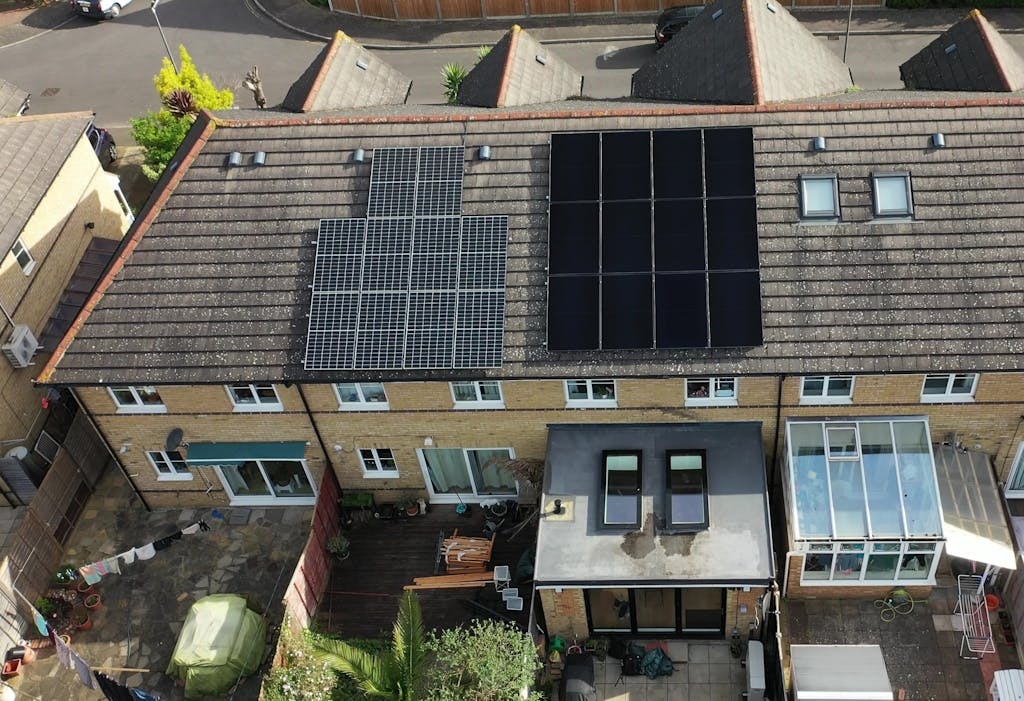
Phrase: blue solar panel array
x=414 y=285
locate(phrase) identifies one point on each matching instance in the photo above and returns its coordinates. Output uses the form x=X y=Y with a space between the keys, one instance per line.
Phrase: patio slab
x=144 y=607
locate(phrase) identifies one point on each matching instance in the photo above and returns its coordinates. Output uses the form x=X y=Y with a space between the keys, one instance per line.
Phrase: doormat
x=239 y=517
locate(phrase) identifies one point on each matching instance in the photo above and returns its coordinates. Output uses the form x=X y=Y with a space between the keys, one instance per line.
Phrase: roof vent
x=359 y=156
x=951 y=49
x=938 y=140
x=484 y=153
x=361 y=63
x=542 y=60
x=717 y=13
x=771 y=7
x=259 y=158
x=819 y=144
x=234 y=159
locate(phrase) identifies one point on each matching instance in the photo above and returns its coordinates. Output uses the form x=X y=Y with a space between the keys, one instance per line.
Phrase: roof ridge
x=325 y=67
x=55 y=115
x=752 y=48
x=506 y=74
x=985 y=29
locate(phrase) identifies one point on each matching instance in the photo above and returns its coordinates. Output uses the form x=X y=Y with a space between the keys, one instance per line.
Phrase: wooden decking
x=363 y=591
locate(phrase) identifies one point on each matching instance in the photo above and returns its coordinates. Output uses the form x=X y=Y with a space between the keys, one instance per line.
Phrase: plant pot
x=93 y=602
x=412 y=509
x=66 y=637
x=84 y=588
x=80 y=620
x=992 y=602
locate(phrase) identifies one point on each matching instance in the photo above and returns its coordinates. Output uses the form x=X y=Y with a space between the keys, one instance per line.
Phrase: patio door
x=452 y=474
x=696 y=612
x=267 y=482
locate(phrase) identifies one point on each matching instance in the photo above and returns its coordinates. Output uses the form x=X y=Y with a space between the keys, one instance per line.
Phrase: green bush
x=302 y=678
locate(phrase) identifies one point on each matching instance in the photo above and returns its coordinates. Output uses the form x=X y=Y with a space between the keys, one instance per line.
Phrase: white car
x=99 y=9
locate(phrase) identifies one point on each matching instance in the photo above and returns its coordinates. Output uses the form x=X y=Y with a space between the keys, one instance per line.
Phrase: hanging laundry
x=167 y=542
x=63 y=651
x=204 y=526
x=83 y=669
x=89 y=573
x=140 y=695
x=189 y=530
x=41 y=624
x=112 y=564
x=112 y=689
x=145 y=552
x=101 y=567
x=128 y=556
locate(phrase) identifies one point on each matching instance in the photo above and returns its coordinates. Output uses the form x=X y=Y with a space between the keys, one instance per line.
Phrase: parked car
x=99 y=9
x=103 y=144
x=672 y=20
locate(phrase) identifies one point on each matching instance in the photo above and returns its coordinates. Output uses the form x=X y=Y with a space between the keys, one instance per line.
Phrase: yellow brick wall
x=565 y=613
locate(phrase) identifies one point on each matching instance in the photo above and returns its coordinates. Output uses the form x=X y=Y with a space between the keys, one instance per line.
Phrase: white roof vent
x=21 y=347
x=234 y=159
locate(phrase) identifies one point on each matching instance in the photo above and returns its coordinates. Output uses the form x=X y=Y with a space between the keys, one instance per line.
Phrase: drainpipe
x=111 y=451
x=778 y=429
x=316 y=430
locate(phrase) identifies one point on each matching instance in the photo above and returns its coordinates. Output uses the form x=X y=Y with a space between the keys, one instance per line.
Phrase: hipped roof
x=11 y=98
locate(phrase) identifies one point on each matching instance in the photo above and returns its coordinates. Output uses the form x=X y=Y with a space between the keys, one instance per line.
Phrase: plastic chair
x=510 y=593
x=502 y=576
x=514 y=603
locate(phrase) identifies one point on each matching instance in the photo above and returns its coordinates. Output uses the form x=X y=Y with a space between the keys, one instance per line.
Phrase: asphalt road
x=108 y=67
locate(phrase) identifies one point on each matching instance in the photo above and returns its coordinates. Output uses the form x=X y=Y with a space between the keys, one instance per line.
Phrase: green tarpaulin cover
x=221 y=641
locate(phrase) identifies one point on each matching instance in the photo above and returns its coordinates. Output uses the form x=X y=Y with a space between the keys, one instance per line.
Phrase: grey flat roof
x=852 y=672
x=575 y=548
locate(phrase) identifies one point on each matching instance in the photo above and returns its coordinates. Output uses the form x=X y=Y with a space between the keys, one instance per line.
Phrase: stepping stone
x=239 y=517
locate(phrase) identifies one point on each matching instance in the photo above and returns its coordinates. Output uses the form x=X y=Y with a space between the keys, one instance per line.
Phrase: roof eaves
x=506 y=74
x=985 y=29
x=153 y=209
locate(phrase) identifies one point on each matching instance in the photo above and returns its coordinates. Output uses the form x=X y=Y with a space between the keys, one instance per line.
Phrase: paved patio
x=704 y=671
x=144 y=608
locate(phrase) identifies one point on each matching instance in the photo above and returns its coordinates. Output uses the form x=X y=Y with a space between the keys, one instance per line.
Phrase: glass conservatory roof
x=863 y=478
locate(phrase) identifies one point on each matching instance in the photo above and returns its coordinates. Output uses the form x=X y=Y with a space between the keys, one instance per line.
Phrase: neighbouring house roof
x=345 y=75
x=575 y=547
x=83 y=281
x=839 y=672
x=12 y=99
x=519 y=70
x=970 y=55
x=33 y=149
x=214 y=281
x=742 y=52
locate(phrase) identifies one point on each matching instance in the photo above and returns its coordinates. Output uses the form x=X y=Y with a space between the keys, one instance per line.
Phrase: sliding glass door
x=266 y=482
x=685 y=612
x=467 y=473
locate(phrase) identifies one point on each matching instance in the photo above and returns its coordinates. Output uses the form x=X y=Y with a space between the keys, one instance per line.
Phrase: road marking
x=34 y=36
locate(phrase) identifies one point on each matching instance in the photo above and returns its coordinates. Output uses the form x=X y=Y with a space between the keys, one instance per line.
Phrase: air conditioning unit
x=22 y=346
x=755 y=671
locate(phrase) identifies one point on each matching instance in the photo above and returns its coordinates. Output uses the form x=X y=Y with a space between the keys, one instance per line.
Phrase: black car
x=672 y=20
x=103 y=144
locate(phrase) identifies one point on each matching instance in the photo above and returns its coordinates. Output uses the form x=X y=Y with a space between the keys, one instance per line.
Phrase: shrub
x=300 y=677
x=489 y=661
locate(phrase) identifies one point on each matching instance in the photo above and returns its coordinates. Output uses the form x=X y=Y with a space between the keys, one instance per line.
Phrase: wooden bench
x=970 y=604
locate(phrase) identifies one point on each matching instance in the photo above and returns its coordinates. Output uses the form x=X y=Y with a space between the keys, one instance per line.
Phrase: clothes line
x=95 y=571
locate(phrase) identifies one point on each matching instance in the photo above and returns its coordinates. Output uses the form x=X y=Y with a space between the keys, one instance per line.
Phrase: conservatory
x=862 y=503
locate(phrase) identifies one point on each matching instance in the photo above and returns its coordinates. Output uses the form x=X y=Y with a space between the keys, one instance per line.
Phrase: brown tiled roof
x=11 y=98
x=33 y=149
x=214 y=283
x=750 y=52
x=345 y=75
x=970 y=55
x=519 y=70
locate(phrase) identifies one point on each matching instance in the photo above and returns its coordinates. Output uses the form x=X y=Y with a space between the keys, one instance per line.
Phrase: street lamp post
x=152 y=6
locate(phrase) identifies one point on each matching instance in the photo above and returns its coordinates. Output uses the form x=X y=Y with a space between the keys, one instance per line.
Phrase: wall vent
x=22 y=346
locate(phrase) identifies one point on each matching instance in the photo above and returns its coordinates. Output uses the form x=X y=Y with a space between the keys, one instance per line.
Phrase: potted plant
x=409 y=506
x=65 y=575
x=84 y=588
x=46 y=606
x=80 y=619
x=93 y=602
x=338 y=545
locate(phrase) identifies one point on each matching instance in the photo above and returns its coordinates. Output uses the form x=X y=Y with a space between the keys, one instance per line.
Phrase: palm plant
x=452 y=75
x=393 y=675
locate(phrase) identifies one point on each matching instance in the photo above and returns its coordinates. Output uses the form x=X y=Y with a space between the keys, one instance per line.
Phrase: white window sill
x=712 y=401
x=29 y=268
x=479 y=405
x=928 y=582
x=142 y=409
x=946 y=398
x=380 y=475
x=364 y=406
x=806 y=220
x=176 y=477
x=591 y=404
x=823 y=401
x=258 y=408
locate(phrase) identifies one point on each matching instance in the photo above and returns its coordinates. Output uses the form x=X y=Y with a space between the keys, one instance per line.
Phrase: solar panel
x=414 y=285
x=657 y=248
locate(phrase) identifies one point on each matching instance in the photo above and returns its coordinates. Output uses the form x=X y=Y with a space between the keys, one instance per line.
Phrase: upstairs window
x=892 y=195
x=590 y=393
x=949 y=388
x=711 y=391
x=826 y=389
x=485 y=394
x=361 y=396
x=622 y=487
x=688 y=488
x=169 y=465
x=142 y=399
x=21 y=254
x=378 y=462
x=819 y=197
x=254 y=398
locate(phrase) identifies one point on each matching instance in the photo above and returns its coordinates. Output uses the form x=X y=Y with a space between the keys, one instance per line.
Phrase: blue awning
x=238 y=453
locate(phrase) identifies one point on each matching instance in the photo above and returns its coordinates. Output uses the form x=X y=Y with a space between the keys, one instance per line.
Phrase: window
x=622 y=487
x=138 y=400
x=711 y=391
x=1015 y=483
x=869 y=563
x=892 y=195
x=842 y=443
x=688 y=489
x=21 y=254
x=474 y=472
x=478 y=395
x=361 y=396
x=590 y=393
x=255 y=398
x=819 y=197
x=378 y=462
x=826 y=389
x=949 y=388
x=169 y=465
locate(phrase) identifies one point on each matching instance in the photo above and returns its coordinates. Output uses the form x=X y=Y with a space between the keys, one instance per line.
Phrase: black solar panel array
x=653 y=240
x=414 y=285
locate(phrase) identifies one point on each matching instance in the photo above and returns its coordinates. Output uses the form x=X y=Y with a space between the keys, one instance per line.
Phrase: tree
x=204 y=92
x=159 y=134
x=489 y=661
x=395 y=674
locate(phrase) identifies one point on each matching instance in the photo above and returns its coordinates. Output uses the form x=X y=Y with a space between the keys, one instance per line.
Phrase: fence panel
x=378 y=8
x=345 y=6
x=461 y=9
x=583 y=7
x=639 y=6
x=505 y=8
x=549 y=7
x=417 y=9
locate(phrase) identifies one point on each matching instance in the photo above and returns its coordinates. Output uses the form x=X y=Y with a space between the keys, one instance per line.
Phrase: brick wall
x=565 y=612
x=796 y=591
x=734 y=600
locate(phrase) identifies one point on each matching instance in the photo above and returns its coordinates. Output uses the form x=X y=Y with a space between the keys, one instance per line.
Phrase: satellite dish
x=20 y=452
x=174 y=439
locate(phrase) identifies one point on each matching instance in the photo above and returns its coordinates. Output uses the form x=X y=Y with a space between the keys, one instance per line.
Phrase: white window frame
x=949 y=396
x=362 y=404
x=260 y=404
x=1018 y=464
x=468 y=497
x=17 y=250
x=907 y=213
x=479 y=402
x=271 y=499
x=714 y=397
x=820 y=215
x=175 y=475
x=906 y=550
x=824 y=398
x=378 y=472
x=138 y=407
x=126 y=208
x=591 y=402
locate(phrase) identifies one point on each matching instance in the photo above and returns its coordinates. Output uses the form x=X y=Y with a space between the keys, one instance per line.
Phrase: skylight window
x=688 y=489
x=622 y=488
x=819 y=197
x=892 y=195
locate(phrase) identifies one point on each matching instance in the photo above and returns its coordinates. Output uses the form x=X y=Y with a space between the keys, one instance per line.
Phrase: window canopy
x=863 y=478
x=238 y=453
